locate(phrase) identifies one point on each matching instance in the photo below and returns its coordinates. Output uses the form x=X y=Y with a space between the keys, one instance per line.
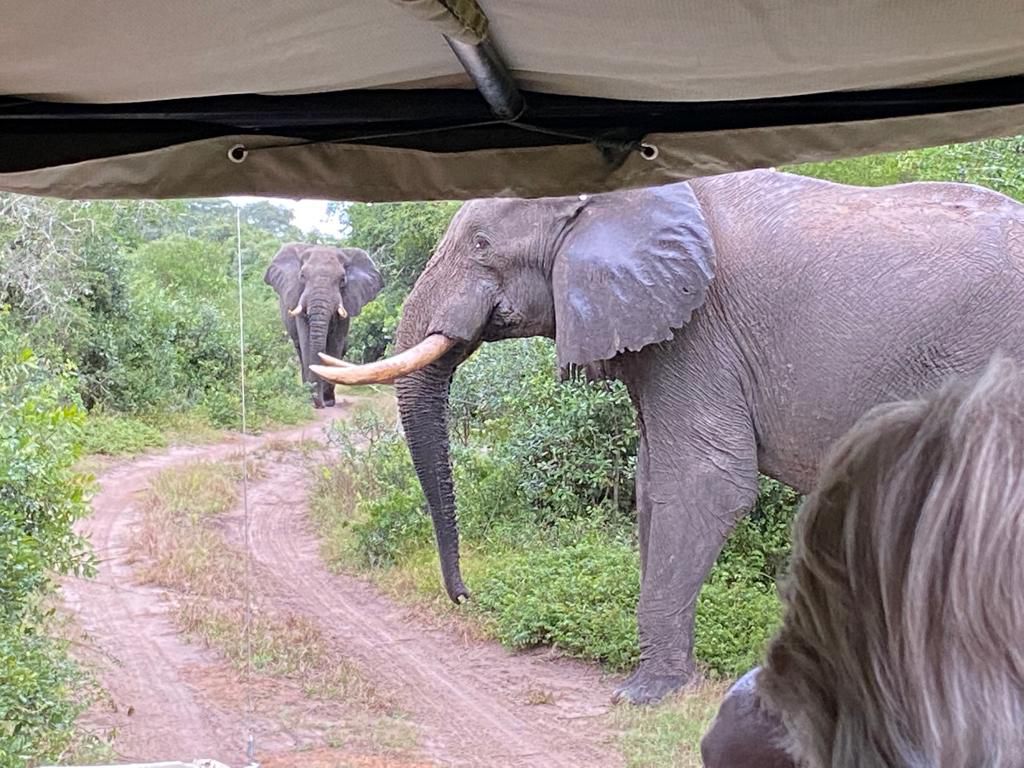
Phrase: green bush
x=572 y=445
x=372 y=333
x=41 y=693
x=757 y=551
x=40 y=499
x=116 y=435
x=735 y=619
x=580 y=598
x=388 y=517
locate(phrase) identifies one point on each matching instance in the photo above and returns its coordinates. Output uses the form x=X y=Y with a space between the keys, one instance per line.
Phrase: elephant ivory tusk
x=335 y=361
x=402 y=364
x=341 y=309
x=296 y=311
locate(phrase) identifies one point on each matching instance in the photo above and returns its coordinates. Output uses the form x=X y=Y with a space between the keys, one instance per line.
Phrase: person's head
x=903 y=639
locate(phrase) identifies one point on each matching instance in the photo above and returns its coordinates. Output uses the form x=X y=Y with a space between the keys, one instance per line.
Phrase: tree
x=400 y=237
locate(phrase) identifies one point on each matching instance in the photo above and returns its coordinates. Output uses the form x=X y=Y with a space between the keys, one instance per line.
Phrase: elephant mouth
x=385 y=371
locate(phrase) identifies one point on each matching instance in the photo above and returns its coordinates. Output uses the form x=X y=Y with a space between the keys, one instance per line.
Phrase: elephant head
x=601 y=275
x=320 y=289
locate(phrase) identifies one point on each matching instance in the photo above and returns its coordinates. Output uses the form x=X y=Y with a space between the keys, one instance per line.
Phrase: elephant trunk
x=423 y=406
x=319 y=319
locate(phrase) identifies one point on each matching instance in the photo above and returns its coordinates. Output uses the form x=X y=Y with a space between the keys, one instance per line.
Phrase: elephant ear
x=283 y=271
x=362 y=280
x=633 y=267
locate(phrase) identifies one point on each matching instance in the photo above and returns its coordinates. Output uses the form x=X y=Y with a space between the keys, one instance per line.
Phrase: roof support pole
x=490 y=76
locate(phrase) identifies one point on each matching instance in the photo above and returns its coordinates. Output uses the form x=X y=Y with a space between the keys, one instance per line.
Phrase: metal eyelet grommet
x=648 y=151
x=238 y=153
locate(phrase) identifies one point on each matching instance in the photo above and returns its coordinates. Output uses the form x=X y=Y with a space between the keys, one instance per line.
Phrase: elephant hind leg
x=694 y=484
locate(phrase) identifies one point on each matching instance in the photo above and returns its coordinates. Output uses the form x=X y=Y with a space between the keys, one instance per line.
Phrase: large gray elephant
x=320 y=289
x=753 y=317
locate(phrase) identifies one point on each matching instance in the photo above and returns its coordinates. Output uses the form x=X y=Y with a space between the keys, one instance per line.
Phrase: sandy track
x=468 y=700
x=159 y=706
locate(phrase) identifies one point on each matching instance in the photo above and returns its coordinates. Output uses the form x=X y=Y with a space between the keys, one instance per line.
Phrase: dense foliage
x=400 y=237
x=116 y=319
x=40 y=497
x=142 y=299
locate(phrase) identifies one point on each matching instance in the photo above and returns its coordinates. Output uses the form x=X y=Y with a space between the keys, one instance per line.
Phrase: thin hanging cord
x=250 y=740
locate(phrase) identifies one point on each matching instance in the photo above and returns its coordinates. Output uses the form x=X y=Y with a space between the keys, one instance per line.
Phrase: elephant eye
x=481 y=243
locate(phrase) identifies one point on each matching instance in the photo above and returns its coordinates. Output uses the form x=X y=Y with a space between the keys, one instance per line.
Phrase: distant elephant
x=753 y=318
x=320 y=288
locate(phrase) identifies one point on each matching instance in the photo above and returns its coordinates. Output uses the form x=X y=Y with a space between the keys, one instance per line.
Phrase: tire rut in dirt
x=467 y=698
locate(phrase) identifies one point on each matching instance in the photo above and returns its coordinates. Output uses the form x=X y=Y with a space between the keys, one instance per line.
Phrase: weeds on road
x=670 y=733
x=183 y=548
x=288 y=646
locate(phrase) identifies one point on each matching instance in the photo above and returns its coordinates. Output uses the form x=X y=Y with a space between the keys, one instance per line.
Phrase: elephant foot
x=329 y=403
x=647 y=687
x=318 y=404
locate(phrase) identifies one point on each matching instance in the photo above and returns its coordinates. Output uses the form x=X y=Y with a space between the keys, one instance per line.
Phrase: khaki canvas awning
x=427 y=99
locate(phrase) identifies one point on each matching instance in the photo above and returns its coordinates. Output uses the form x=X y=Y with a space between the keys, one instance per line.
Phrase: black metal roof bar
x=490 y=76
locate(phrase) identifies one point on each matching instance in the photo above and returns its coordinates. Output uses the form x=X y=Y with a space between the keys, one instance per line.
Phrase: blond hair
x=903 y=641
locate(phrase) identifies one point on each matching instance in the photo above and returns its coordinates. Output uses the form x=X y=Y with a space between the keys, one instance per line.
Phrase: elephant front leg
x=328 y=395
x=688 y=505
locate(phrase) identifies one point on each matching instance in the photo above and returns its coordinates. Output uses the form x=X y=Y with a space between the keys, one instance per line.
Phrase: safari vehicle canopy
x=421 y=99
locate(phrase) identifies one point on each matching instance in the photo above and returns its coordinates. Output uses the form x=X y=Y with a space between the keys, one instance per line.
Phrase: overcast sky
x=306 y=214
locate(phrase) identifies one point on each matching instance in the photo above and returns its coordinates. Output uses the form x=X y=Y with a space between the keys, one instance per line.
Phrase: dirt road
x=469 y=703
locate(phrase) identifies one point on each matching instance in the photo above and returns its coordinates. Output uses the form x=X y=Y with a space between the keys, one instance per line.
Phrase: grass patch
x=185 y=551
x=184 y=427
x=196 y=491
x=108 y=433
x=181 y=551
x=287 y=646
x=113 y=434
x=390 y=735
x=304 y=448
x=89 y=749
x=669 y=734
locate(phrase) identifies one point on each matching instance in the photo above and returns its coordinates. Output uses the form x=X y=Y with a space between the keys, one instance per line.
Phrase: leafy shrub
x=388 y=516
x=490 y=501
x=757 y=552
x=116 y=435
x=571 y=444
x=41 y=694
x=579 y=597
x=40 y=498
x=735 y=620
x=371 y=334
